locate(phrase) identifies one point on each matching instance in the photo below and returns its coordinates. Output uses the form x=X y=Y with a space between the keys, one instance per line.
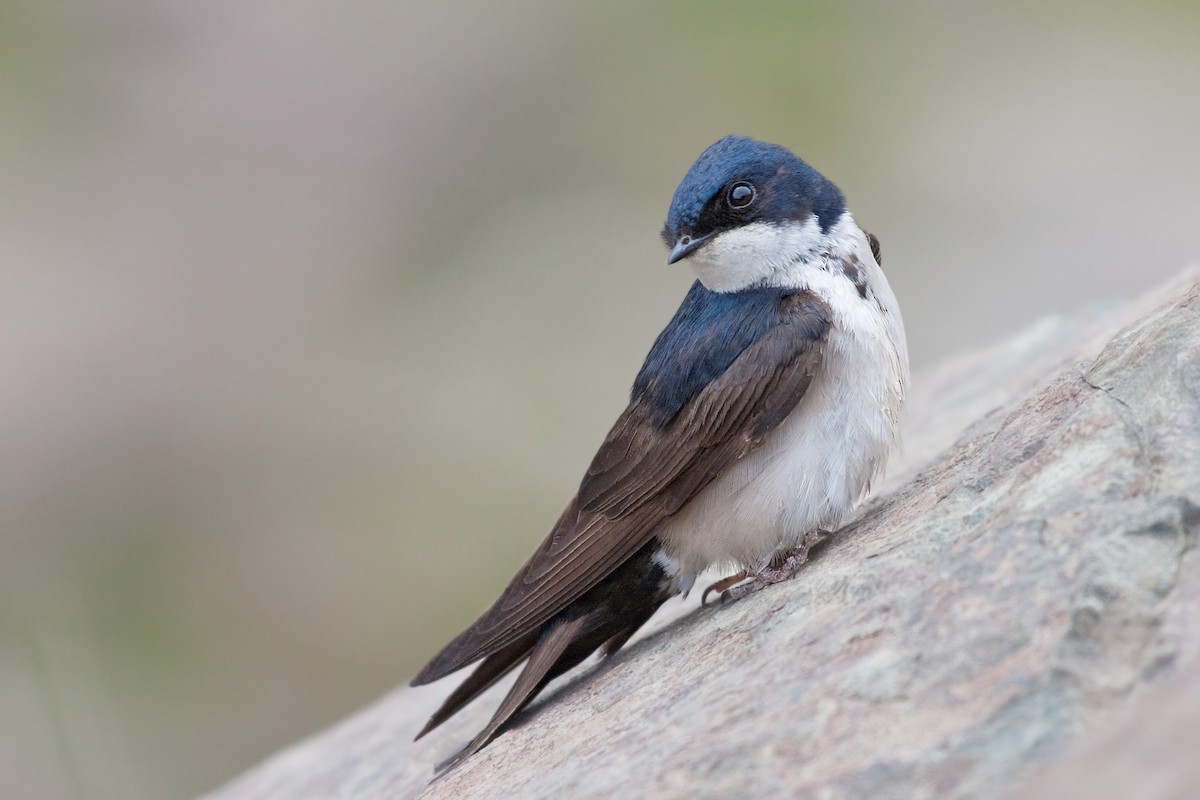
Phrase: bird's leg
x=781 y=568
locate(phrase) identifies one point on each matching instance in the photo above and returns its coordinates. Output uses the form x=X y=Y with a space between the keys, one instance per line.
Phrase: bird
x=762 y=415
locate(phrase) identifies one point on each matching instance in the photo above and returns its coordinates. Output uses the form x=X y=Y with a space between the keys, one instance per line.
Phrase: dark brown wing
x=643 y=474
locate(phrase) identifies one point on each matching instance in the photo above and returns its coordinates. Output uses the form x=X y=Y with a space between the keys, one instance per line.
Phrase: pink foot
x=782 y=568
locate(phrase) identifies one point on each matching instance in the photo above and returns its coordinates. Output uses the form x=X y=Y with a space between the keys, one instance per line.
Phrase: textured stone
x=1028 y=572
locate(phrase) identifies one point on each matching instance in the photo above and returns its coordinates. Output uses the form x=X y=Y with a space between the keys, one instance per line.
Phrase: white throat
x=762 y=253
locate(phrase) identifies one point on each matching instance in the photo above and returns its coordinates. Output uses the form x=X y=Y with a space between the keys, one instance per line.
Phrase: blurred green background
x=312 y=314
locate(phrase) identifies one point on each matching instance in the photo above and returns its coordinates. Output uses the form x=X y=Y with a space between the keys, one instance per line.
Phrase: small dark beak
x=686 y=245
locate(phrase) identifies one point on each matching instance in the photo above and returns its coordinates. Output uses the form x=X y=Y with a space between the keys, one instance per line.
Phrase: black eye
x=741 y=194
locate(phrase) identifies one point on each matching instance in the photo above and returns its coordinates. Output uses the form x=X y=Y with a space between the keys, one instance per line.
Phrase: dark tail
x=545 y=663
x=490 y=670
x=606 y=616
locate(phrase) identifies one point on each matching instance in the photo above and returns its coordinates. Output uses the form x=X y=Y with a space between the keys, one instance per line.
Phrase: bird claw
x=782 y=568
x=722 y=586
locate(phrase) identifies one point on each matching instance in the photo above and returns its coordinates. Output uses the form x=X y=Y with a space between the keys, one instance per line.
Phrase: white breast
x=820 y=462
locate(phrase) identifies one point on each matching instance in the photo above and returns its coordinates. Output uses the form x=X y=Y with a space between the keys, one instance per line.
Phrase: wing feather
x=644 y=473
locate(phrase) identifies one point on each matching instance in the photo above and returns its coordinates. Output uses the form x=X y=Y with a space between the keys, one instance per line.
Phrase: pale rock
x=1016 y=612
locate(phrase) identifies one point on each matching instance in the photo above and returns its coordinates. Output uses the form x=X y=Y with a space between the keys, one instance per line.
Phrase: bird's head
x=746 y=209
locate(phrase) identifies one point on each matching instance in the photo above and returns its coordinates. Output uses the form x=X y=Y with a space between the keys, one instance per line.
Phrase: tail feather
x=604 y=617
x=490 y=670
x=539 y=670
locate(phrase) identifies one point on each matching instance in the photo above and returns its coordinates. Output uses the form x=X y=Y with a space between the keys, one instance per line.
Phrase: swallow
x=758 y=422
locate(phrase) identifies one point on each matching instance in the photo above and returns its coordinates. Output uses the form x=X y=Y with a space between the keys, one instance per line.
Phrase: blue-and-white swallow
x=760 y=418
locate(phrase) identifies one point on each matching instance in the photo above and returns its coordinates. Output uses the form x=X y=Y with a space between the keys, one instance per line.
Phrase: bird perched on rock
x=758 y=421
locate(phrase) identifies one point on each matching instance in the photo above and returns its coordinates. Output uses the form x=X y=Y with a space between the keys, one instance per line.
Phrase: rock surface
x=1026 y=581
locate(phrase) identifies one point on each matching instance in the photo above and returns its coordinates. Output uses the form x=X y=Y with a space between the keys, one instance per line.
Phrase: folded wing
x=643 y=474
